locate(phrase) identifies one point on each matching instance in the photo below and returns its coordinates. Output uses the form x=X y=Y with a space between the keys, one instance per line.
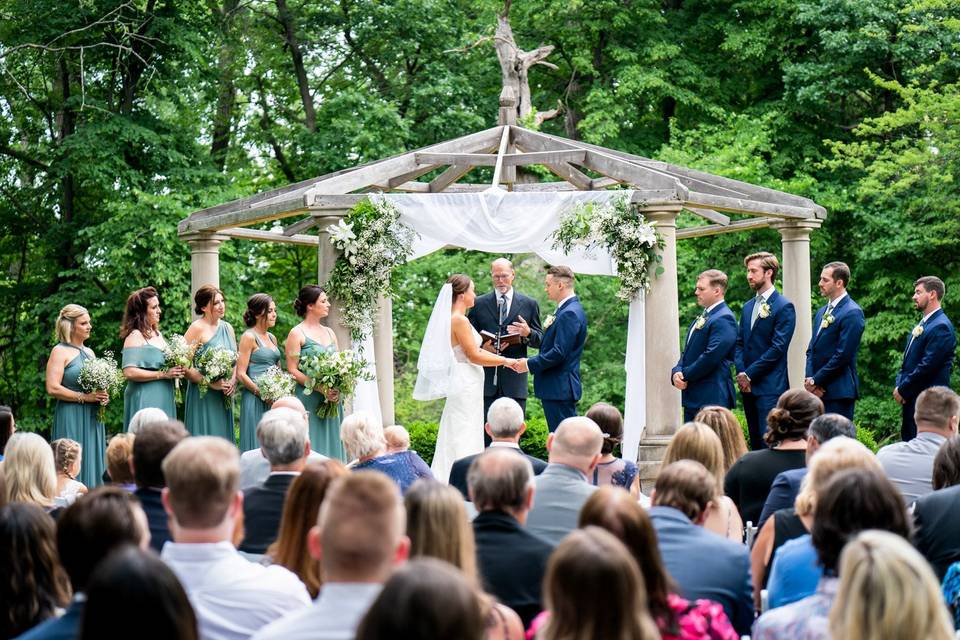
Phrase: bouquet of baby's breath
x=101 y=374
x=340 y=370
x=274 y=383
x=215 y=363
x=178 y=353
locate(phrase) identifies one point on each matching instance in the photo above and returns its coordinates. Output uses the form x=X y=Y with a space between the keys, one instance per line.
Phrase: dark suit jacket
x=556 y=369
x=705 y=565
x=783 y=493
x=937 y=519
x=66 y=627
x=511 y=561
x=484 y=317
x=458 y=472
x=156 y=516
x=262 y=509
x=927 y=362
x=761 y=352
x=832 y=352
x=706 y=359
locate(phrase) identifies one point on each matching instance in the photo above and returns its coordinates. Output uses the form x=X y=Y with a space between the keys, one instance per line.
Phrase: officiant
x=507 y=317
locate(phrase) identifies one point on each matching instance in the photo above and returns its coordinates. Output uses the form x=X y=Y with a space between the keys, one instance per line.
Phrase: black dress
x=749 y=479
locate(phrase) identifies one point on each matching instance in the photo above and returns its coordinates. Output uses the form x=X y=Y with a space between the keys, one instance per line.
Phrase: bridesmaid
x=209 y=415
x=310 y=337
x=258 y=352
x=143 y=360
x=75 y=414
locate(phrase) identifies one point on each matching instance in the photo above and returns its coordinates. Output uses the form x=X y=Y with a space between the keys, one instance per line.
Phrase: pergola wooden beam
x=498 y=167
x=711 y=215
x=299 y=226
x=718 y=229
x=448 y=177
x=261 y=235
x=738 y=205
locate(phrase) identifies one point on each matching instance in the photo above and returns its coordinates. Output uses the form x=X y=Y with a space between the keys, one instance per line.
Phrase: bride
x=451 y=366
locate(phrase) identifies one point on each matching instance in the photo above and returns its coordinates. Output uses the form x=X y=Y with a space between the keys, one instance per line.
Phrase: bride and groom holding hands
x=474 y=351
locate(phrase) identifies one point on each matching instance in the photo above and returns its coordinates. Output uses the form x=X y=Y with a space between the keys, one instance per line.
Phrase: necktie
x=502 y=308
x=756 y=310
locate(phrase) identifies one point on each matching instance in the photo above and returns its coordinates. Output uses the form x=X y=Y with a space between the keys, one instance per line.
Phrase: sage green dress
x=79 y=422
x=324 y=432
x=251 y=406
x=159 y=394
x=211 y=415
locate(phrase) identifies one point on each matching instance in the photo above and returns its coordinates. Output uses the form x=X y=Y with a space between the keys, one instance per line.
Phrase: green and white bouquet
x=274 y=383
x=101 y=374
x=340 y=370
x=215 y=363
x=178 y=353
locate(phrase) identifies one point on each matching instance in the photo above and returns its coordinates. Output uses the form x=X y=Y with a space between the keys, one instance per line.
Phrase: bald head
x=289 y=402
x=576 y=443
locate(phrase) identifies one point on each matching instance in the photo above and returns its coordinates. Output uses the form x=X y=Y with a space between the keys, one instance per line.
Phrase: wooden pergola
x=661 y=192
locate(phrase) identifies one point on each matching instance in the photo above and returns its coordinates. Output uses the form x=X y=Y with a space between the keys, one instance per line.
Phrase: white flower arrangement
x=275 y=383
x=701 y=321
x=917 y=331
x=826 y=321
x=215 y=363
x=764 y=310
x=624 y=232
x=340 y=370
x=178 y=353
x=101 y=374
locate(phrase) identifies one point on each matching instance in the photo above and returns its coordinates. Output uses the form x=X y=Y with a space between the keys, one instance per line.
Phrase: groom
x=556 y=370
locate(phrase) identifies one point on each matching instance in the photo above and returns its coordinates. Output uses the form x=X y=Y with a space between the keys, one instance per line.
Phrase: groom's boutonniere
x=827 y=320
x=702 y=320
x=917 y=330
x=764 y=310
x=548 y=321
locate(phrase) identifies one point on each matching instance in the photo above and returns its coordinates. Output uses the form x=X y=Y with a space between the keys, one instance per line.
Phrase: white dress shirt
x=232 y=597
x=335 y=615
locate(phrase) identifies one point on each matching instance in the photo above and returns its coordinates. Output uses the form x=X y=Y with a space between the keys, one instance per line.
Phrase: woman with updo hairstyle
x=67 y=460
x=612 y=470
x=210 y=414
x=749 y=479
x=311 y=337
x=258 y=352
x=75 y=414
x=149 y=383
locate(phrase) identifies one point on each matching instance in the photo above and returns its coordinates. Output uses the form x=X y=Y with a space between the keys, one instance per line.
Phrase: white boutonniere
x=827 y=320
x=548 y=321
x=764 y=310
x=702 y=320
x=917 y=330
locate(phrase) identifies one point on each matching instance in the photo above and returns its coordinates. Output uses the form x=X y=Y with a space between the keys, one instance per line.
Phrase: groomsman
x=703 y=371
x=831 y=371
x=766 y=328
x=928 y=356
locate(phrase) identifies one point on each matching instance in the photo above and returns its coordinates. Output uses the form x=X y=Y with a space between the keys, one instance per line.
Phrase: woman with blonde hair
x=29 y=471
x=67 y=460
x=75 y=413
x=727 y=427
x=696 y=441
x=887 y=592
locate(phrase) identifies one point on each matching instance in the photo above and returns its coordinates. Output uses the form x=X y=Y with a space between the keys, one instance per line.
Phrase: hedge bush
x=423 y=438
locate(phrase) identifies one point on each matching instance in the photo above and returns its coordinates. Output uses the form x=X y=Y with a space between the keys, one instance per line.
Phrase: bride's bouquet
x=178 y=353
x=215 y=363
x=274 y=383
x=340 y=370
x=101 y=374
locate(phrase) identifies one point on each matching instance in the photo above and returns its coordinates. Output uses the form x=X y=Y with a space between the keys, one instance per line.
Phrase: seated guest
x=610 y=469
x=728 y=428
x=704 y=565
x=150 y=447
x=877 y=569
x=676 y=618
x=359 y=540
x=254 y=466
x=398 y=438
x=853 y=501
x=564 y=485
x=786 y=486
x=67 y=458
x=133 y=589
x=232 y=597
x=145 y=416
x=363 y=439
x=511 y=559
x=119 y=453
x=909 y=465
x=504 y=425
x=87 y=532
x=7 y=427
x=748 y=481
x=300 y=509
x=33 y=584
x=29 y=471
x=936 y=516
x=427 y=600
x=284 y=441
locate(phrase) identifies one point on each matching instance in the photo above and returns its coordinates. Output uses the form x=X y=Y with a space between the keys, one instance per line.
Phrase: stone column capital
x=199 y=237
x=796 y=230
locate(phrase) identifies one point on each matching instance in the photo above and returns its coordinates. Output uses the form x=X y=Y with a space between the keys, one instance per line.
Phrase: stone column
x=383 y=353
x=795 y=238
x=204 y=260
x=326 y=259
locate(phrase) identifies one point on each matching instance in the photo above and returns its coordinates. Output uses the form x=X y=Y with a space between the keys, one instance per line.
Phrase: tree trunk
x=66 y=124
x=265 y=124
x=296 y=56
x=227 y=93
x=514 y=68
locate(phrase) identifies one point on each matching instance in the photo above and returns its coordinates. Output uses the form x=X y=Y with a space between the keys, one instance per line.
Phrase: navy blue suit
x=705 y=362
x=556 y=369
x=783 y=493
x=832 y=356
x=927 y=362
x=761 y=353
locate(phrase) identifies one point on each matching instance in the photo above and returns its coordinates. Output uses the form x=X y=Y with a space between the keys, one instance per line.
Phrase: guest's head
x=360 y=535
x=610 y=420
x=151 y=446
x=790 y=419
x=209 y=301
x=502 y=274
x=32 y=582
x=589 y=562
x=834 y=456
x=427 y=599
x=727 y=428
x=145 y=416
x=946 y=466
x=141 y=313
x=834 y=279
x=685 y=485
x=762 y=268
x=202 y=496
x=73 y=323
x=887 y=592
x=438 y=527
x=559 y=282
x=292 y=402
x=283 y=439
x=576 y=443
x=505 y=420
x=618 y=512
x=7 y=426
x=119 y=453
x=133 y=589
x=500 y=480
x=90 y=529
x=67 y=457
x=937 y=411
x=928 y=293
x=362 y=436
x=300 y=511
x=398 y=438
x=711 y=287
x=260 y=308
x=827 y=427
x=696 y=441
x=312 y=300
x=29 y=470
x=463 y=291
x=853 y=501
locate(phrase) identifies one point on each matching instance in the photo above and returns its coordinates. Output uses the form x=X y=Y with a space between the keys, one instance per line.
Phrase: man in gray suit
x=563 y=486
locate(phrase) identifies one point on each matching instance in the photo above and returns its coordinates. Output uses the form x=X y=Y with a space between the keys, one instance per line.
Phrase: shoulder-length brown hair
x=135 y=313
